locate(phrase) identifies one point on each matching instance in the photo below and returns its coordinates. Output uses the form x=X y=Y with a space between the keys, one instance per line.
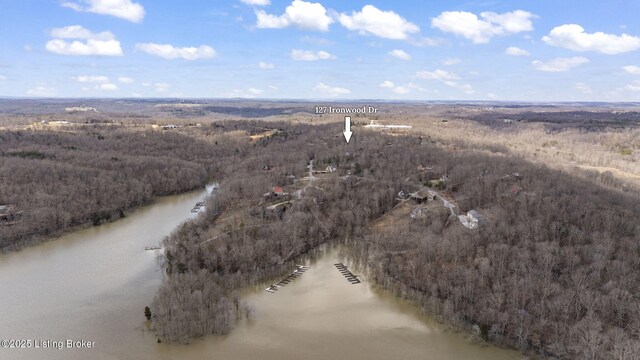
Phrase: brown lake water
x=93 y=285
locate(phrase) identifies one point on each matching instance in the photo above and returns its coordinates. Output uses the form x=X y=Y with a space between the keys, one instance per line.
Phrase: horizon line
x=329 y=100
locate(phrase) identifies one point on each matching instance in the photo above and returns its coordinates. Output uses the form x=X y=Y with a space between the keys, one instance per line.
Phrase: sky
x=515 y=50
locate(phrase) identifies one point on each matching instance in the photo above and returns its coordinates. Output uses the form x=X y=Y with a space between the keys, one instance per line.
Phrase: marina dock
x=353 y=279
x=197 y=206
x=300 y=269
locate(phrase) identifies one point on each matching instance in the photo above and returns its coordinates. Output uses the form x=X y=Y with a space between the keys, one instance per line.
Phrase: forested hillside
x=552 y=271
x=54 y=180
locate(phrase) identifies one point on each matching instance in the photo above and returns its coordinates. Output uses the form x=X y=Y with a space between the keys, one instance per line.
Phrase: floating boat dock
x=353 y=279
x=300 y=269
x=197 y=206
x=149 y=248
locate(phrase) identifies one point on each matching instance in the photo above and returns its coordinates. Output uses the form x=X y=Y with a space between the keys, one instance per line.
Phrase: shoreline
x=39 y=239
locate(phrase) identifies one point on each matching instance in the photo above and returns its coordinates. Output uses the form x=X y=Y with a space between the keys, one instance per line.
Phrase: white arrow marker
x=347 y=128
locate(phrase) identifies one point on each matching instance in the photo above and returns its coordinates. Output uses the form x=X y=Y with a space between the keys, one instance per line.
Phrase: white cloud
x=437 y=75
x=124 y=9
x=400 y=54
x=332 y=91
x=516 y=51
x=268 y=21
x=467 y=88
x=446 y=78
x=387 y=84
x=88 y=48
x=559 y=64
x=573 y=37
x=316 y=40
x=86 y=44
x=72 y=5
x=384 y=24
x=634 y=86
x=41 y=91
x=266 y=66
x=413 y=86
x=511 y=22
x=481 y=30
x=125 y=80
x=401 y=90
x=273 y=87
x=256 y=2
x=583 y=88
x=632 y=69
x=91 y=79
x=108 y=86
x=255 y=91
x=161 y=86
x=3 y=78
x=79 y=32
x=167 y=51
x=306 y=55
x=250 y=93
x=301 y=14
x=451 y=61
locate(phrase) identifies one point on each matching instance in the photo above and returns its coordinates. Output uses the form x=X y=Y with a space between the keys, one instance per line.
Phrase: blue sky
x=537 y=50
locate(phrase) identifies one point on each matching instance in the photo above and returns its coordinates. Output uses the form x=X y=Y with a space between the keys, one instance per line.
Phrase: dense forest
x=592 y=121
x=553 y=271
x=53 y=181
